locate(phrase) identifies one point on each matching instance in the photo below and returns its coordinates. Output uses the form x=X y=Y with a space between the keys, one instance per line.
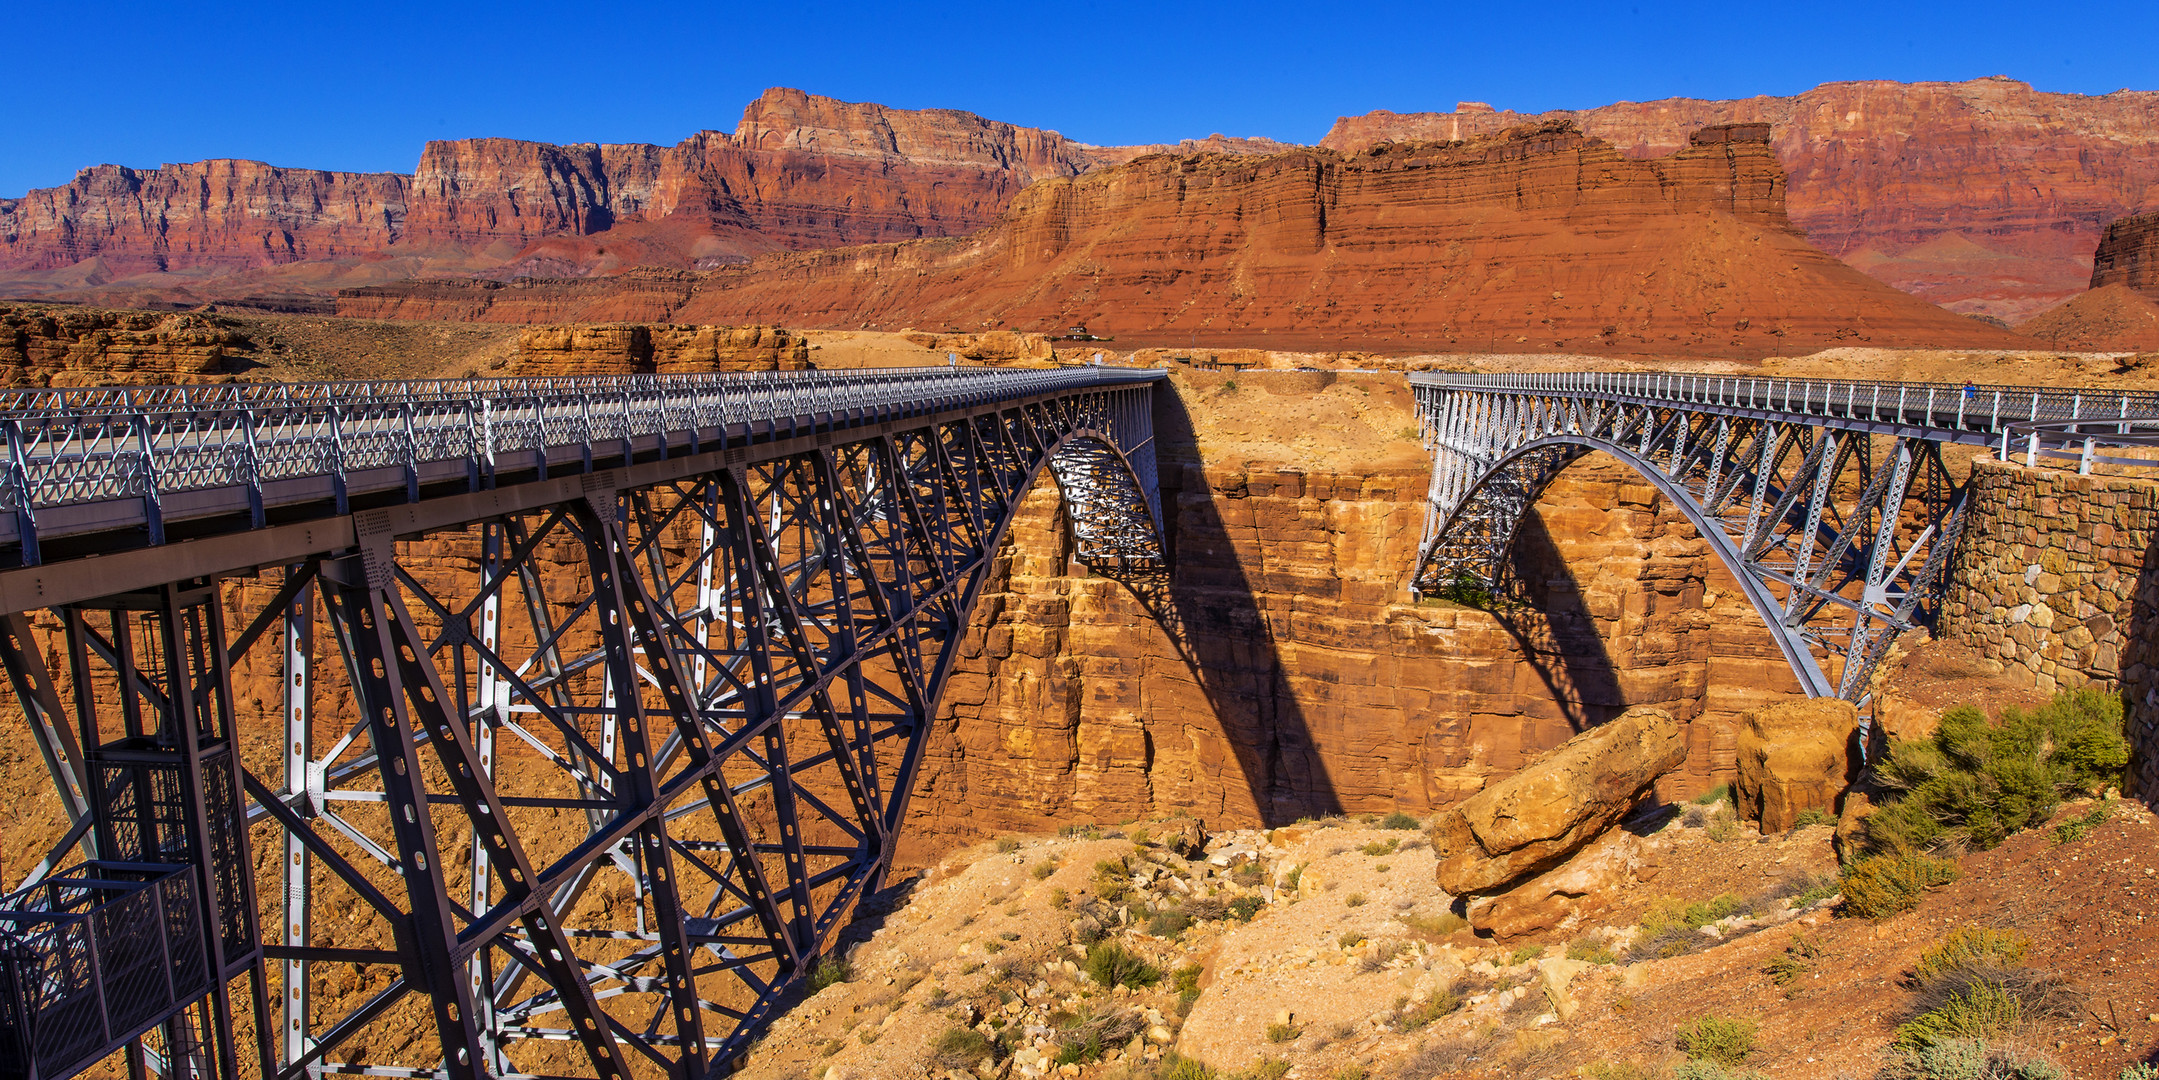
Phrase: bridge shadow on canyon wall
x=1547 y=615
x=1227 y=628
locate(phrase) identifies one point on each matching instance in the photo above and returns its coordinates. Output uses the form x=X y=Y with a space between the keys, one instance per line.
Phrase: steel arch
x=1838 y=529
x=591 y=767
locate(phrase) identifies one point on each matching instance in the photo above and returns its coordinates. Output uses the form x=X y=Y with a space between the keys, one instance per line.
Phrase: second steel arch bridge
x=1828 y=501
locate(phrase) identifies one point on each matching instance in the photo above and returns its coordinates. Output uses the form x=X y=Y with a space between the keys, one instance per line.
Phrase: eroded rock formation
x=1985 y=195
x=2128 y=254
x=45 y=346
x=1794 y=756
x=1532 y=821
x=663 y=350
x=1594 y=251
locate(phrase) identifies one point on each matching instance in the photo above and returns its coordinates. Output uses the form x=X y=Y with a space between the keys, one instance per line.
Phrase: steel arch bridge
x=562 y=720
x=1828 y=501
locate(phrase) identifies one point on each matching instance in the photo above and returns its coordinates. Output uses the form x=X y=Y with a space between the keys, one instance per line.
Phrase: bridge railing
x=1959 y=407
x=83 y=445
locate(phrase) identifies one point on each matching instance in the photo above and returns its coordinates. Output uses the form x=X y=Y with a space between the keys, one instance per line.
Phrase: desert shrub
x=1723 y=825
x=2077 y=828
x=1694 y=1069
x=830 y=970
x=1879 y=886
x=1168 y=923
x=1350 y=939
x=1465 y=590
x=1525 y=954
x=1282 y=1033
x=1970 y=1059
x=962 y=1047
x=1355 y=899
x=1621 y=1070
x=1804 y=889
x=2140 y=1071
x=1006 y=845
x=1433 y=927
x=1796 y=960
x=1812 y=817
x=1244 y=907
x=1382 y=847
x=1693 y=916
x=1974 y=783
x=1444 y=1000
x=1266 y=1069
x=1715 y=795
x=1590 y=950
x=1059 y=898
x=1111 y=964
x=1205 y=907
x=1376 y=957
x=1291 y=879
x=1178 y=1067
x=1981 y=1011
x=1042 y=870
x=1399 y=820
x=1351 y=1072
x=1719 y=1039
x=1970 y=947
x=1248 y=875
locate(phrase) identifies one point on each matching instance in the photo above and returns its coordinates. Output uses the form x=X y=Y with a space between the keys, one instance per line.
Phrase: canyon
x=1537 y=239
x=1986 y=196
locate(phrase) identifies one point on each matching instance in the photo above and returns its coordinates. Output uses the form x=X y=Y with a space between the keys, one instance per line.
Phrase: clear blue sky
x=361 y=85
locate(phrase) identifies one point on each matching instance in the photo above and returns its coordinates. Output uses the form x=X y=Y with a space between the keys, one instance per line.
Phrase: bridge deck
x=1943 y=412
x=211 y=479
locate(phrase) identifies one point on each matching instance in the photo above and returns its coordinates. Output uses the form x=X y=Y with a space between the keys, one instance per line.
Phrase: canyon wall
x=1986 y=196
x=89 y=347
x=2059 y=580
x=799 y=171
x=1539 y=239
x=2128 y=254
x=1285 y=672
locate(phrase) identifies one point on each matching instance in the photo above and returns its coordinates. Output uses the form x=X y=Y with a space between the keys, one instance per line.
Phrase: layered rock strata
x=1985 y=195
x=1539 y=239
x=61 y=346
x=1294 y=677
x=798 y=171
x=662 y=350
x=2128 y=254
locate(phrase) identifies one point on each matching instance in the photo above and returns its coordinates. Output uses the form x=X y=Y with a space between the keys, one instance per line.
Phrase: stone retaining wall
x=2056 y=580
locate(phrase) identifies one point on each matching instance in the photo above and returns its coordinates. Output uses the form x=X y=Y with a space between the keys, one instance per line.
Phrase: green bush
x=1244 y=907
x=1812 y=817
x=1970 y=1059
x=1715 y=795
x=830 y=970
x=2140 y=1071
x=1975 y=783
x=1044 y=869
x=1007 y=845
x=1970 y=947
x=2077 y=828
x=1399 y=820
x=1442 y=1002
x=962 y=1047
x=1525 y=954
x=1282 y=1033
x=1718 y=1039
x=1981 y=1011
x=1692 y=1069
x=1797 y=959
x=1591 y=951
x=1879 y=886
x=1169 y=923
x=1111 y=964
x=1382 y=847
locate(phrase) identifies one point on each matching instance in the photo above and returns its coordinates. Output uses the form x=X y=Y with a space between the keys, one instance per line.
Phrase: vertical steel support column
x=299 y=792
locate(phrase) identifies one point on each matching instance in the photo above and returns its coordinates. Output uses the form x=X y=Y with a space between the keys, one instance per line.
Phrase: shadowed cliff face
x=1320 y=686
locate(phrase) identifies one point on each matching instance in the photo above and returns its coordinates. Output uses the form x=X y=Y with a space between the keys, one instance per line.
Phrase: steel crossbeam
x=1828 y=502
x=582 y=760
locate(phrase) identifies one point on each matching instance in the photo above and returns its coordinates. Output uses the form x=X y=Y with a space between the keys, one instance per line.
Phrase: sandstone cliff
x=1283 y=672
x=1986 y=195
x=87 y=347
x=2128 y=254
x=799 y=171
x=1541 y=239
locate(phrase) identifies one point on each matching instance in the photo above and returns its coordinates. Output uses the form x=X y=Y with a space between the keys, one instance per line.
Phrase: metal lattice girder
x=1828 y=502
x=590 y=769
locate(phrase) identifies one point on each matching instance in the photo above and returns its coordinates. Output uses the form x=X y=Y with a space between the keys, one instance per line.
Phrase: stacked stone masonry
x=2056 y=581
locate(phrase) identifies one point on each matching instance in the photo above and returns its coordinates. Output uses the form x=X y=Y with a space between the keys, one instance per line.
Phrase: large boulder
x=1532 y=821
x=1794 y=756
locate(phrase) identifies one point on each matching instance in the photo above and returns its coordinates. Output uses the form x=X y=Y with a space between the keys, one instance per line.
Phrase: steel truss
x=1838 y=529
x=579 y=785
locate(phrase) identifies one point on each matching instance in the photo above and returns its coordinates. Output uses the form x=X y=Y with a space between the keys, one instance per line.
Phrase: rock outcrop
x=1532 y=821
x=799 y=171
x=664 y=350
x=1986 y=196
x=1393 y=246
x=65 y=346
x=1794 y=757
x=2110 y=318
x=2128 y=254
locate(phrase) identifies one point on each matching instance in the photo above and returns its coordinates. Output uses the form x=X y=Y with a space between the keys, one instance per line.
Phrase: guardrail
x=92 y=957
x=70 y=447
x=1967 y=407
